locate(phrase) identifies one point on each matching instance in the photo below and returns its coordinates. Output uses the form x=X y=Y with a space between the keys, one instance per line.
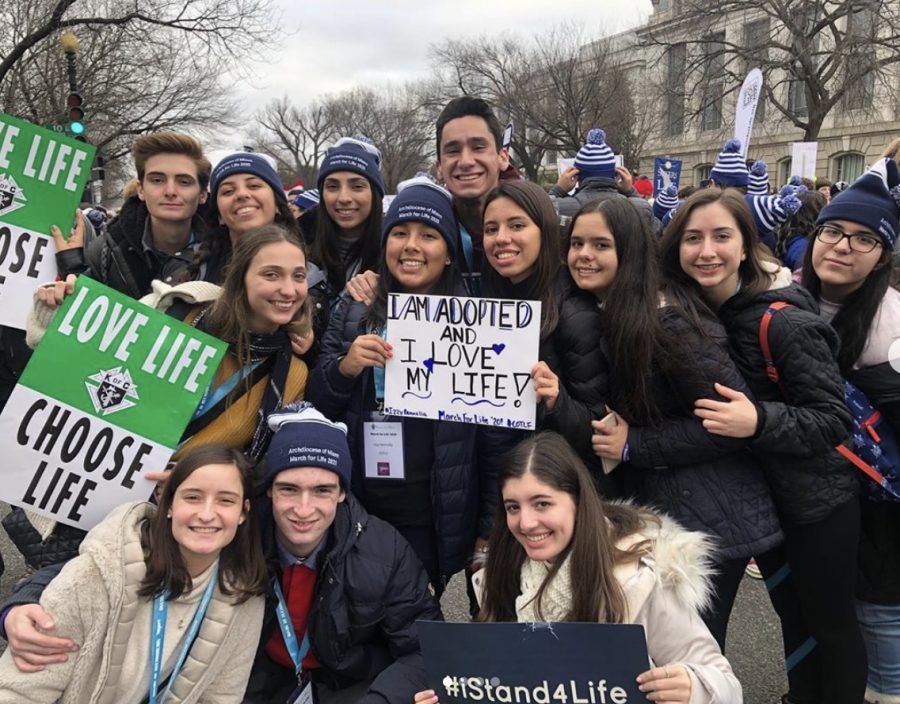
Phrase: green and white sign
x=42 y=177
x=105 y=397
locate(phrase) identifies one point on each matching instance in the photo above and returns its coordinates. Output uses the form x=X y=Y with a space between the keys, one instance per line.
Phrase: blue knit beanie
x=307 y=199
x=357 y=154
x=595 y=159
x=770 y=211
x=303 y=437
x=246 y=163
x=759 y=179
x=730 y=168
x=666 y=199
x=873 y=200
x=420 y=199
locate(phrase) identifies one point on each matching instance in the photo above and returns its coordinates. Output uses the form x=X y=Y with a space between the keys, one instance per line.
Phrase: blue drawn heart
x=498 y=348
x=429 y=364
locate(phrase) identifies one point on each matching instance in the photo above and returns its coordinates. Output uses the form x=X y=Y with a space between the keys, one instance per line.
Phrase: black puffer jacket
x=709 y=483
x=463 y=478
x=575 y=354
x=370 y=590
x=116 y=256
x=801 y=422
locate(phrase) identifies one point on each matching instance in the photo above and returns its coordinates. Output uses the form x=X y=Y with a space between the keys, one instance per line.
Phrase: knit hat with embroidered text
x=303 y=437
x=357 y=154
x=873 y=200
x=420 y=199
x=246 y=163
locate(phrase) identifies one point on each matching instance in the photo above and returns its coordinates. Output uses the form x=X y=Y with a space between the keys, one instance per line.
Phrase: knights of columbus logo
x=111 y=390
x=11 y=196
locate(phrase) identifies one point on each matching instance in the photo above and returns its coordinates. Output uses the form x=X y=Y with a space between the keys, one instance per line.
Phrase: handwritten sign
x=462 y=359
x=593 y=663
x=106 y=396
x=42 y=177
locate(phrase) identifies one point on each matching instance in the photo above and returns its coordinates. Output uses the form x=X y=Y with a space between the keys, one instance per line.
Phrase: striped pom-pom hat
x=770 y=211
x=595 y=159
x=730 y=168
x=666 y=199
x=759 y=179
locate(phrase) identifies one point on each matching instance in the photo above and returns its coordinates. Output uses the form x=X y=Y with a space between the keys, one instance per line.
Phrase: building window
x=675 y=84
x=784 y=171
x=848 y=167
x=713 y=81
x=860 y=41
x=701 y=172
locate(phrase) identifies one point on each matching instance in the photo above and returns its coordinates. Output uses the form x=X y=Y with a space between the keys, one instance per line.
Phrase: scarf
x=556 y=600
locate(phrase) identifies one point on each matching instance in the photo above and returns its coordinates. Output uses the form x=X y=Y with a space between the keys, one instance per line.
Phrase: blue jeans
x=880 y=627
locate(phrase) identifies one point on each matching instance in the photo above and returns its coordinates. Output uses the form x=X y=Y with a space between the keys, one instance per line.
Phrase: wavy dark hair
x=544 y=280
x=242 y=569
x=754 y=278
x=599 y=526
x=640 y=348
x=229 y=316
x=326 y=254
x=801 y=223
x=858 y=310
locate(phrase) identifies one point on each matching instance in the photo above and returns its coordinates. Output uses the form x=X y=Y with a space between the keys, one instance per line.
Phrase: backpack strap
x=765 y=321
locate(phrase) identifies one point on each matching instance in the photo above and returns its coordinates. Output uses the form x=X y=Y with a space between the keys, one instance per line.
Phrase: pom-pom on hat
x=357 y=154
x=307 y=199
x=730 y=168
x=759 y=179
x=420 y=199
x=303 y=437
x=873 y=200
x=797 y=183
x=595 y=159
x=666 y=199
x=246 y=163
x=770 y=211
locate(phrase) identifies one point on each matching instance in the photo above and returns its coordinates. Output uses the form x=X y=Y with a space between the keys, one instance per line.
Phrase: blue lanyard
x=209 y=400
x=378 y=372
x=468 y=249
x=158 y=634
x=297 y=652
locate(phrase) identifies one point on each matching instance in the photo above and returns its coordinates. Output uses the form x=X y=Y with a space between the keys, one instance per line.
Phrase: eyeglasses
x=862 y=243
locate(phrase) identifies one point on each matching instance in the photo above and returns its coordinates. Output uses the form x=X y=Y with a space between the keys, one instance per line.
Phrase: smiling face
x=206 y=510
x=348 y=199
x=304 y=503
x=512 y=241
x=592 y=255
x=840 y=269
x=170 y=187
x=245 y=202
x=469 y=162
x=276 y=286
x=711 y=251
x=540 y=517
x=416 y=255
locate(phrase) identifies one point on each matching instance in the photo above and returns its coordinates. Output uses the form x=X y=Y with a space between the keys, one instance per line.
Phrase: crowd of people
x=691 y=386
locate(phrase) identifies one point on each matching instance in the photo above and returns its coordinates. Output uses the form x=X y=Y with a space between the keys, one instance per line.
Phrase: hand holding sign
x=75 y=239
x=670 y=683
x=53 y=295
x=366 y=351
x=546 y=385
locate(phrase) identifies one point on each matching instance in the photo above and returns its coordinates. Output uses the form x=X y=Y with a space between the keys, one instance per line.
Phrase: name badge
x=302 y=695
x=383 y=449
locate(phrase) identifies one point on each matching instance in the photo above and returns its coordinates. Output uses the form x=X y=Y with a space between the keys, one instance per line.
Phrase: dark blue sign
x=666 y=172
x=544 y=663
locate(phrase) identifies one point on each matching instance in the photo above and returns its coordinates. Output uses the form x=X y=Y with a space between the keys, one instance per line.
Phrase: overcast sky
x=334 y=46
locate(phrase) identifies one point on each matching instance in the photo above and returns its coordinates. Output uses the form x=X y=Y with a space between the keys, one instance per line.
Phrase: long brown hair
x=596 y=594
x=229 y=317
x=242 y=569
x=545 y=280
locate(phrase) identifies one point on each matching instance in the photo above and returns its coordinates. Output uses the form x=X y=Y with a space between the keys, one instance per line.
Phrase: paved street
x=754 y=641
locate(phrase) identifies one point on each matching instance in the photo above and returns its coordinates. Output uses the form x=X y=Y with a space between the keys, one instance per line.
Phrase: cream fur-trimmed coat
x=94 y=601
x=664 y=591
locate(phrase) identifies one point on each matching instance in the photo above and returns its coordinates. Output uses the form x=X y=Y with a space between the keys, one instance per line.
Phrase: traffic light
x=75 y=125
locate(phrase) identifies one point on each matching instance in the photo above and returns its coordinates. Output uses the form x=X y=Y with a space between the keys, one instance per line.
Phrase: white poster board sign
x=803 y=159
x=563 y=165
x=462 y=359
